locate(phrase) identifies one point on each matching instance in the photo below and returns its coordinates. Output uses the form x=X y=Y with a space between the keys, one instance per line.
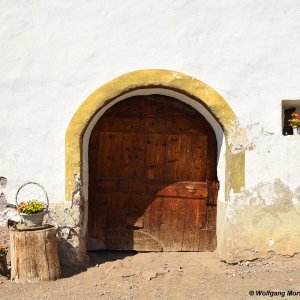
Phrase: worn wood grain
x=34 y=256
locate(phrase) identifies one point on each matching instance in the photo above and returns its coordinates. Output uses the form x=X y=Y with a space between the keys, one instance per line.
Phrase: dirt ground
x=181 y=275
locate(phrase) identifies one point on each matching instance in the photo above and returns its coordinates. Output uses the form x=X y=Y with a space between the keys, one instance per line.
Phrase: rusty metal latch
x=190 y=189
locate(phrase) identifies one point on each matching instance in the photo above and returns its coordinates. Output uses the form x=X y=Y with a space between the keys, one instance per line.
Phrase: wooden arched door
x=152 y=178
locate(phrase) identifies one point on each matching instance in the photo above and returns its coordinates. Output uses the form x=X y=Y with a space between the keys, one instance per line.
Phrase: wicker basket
x=33 y=220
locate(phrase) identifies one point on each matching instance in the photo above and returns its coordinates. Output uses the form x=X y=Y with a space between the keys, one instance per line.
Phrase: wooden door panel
x=211 y=217
x=187 y=126
x=133 y=155
x=97 y=222
x=152 y=177
x=185 y=164
x=198 y=156
x=155 y=217
x=110 y=154
x=117 y=211
x=155 y=156
x=129 y=239
x=211 y=166
x=183 y=190
x=207 y=240
x=195 y=220
x=136 y=206
x=118 y=239
x=161 y=188
x=172 y=224
x=172 y=170
x=186 y=158
x=128 y=125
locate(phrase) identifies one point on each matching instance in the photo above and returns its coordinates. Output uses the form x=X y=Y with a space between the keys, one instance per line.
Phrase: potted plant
x=3 y=260
x=295 y=123
x=32 y=212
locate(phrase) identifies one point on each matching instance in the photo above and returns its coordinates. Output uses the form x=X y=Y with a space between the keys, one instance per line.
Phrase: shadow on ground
x=96 y=258
x=102 y=256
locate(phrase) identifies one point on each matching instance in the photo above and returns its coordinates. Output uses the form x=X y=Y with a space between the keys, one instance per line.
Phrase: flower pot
x=296 y=130
x=33 y=220
x=3 y=264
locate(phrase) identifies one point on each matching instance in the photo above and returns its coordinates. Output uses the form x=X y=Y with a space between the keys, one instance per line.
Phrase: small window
x=290 y=111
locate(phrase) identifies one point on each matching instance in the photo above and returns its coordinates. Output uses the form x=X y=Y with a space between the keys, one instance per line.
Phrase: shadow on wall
x=68 y=254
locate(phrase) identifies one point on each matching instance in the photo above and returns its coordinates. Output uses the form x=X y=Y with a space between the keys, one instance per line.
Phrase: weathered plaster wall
x=54 y=54
x=261 y=222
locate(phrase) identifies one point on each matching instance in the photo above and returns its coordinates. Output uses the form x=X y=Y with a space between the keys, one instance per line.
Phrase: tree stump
x=34 y=255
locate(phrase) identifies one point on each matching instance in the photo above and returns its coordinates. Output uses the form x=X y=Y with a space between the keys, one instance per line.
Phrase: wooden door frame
x=188 y=89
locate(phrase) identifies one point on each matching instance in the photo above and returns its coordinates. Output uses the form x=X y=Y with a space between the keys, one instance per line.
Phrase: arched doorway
x=231 y=161
x=152 y=177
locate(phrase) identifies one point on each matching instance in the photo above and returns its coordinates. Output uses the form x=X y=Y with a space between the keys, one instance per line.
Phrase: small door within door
x=152 y=178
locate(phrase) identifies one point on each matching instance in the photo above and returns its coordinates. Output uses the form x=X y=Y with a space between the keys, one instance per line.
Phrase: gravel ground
x=181 y=275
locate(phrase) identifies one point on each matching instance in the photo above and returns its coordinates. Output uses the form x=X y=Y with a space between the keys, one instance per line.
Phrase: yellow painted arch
x=199 y=91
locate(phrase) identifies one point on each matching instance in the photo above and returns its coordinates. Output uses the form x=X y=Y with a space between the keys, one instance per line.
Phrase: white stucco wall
x=55 y=53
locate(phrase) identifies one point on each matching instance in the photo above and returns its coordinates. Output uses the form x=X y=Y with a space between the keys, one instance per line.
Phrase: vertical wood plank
x=155 y=156
x=101 y=215
x=198 y=158
x=172 y=224
x=133 y=155
x=185 y=164
x=93 y=165
x=109 y=153
x=155 y=217
x=195 y=220
x=211 y=169
x=172 y=157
